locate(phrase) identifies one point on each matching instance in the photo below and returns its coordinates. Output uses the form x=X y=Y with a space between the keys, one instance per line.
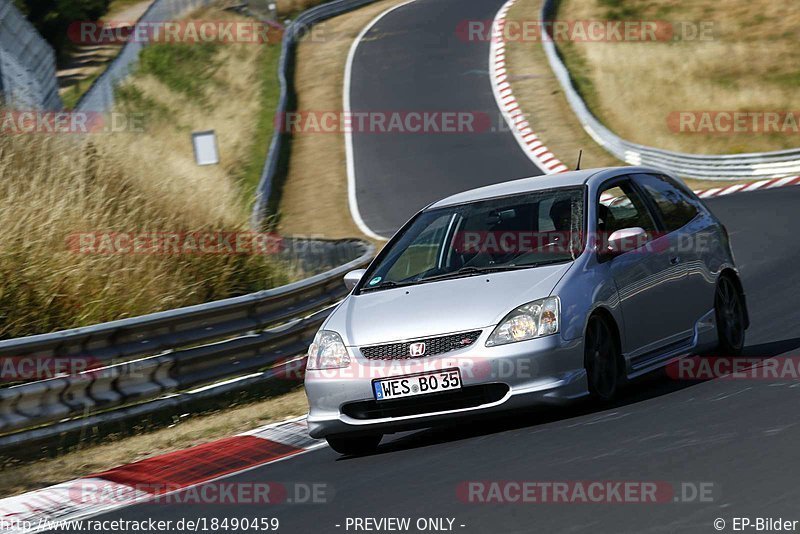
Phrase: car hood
x=440 y=307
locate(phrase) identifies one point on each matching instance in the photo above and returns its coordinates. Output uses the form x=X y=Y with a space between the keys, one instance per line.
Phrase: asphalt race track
x=413 y=59
x=741 y=436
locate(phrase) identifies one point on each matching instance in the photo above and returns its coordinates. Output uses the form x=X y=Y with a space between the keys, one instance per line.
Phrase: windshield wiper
x=386 y=284
x=471 y=269
x=538 y=263
x=464 y=271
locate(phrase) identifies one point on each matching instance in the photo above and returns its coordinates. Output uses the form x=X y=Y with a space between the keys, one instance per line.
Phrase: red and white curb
x=154 y=477
x=752 y=186
x=509 y=107
x=529 y=141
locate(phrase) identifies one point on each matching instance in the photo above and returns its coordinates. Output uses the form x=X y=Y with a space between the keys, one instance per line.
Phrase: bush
x=52 y=18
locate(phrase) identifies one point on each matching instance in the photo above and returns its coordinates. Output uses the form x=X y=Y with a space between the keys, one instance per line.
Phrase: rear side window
x=673 y=205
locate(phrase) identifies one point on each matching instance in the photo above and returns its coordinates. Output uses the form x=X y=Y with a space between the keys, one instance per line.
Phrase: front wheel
x=729 y=312
x=354 y=445
x=601 y=358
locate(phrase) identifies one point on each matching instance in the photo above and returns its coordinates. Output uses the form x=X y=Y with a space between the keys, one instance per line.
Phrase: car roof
x=536 y=183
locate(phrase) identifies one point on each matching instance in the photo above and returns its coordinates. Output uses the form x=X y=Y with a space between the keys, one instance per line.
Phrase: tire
x=602 y=360
x=729 y=313
x=354 y=445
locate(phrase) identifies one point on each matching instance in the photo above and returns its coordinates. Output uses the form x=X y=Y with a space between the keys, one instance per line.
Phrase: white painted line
x=355 y=213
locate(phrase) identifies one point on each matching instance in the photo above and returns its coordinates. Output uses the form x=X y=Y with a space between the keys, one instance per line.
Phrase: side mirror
x=352 y=278
x=625 y=240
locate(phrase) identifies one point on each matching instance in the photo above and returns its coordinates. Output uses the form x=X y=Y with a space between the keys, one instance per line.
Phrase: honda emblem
x=416 y=349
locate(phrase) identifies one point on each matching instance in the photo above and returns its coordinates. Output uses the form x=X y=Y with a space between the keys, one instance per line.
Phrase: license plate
x=422 y=384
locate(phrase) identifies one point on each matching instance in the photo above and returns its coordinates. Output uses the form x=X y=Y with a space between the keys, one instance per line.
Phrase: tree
x=52 y=18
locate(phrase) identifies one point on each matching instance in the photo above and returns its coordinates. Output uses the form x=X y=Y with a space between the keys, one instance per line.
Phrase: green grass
x=788 y=79
x=265 y=122
x=118 y=5
x=130 y=99
x=620 y=9
x=72 y=96
x=183 y=67
x=579 y=73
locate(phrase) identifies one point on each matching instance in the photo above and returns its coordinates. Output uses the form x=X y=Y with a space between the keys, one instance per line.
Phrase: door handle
x=675 y=260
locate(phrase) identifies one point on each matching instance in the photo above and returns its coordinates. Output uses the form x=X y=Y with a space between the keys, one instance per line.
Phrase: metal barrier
x=718 y=167
x=146 y=364
x=276 y=164
x=27 y=63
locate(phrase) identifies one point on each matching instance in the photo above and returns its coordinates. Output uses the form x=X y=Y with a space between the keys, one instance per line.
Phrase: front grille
x=467 y=397
x=433 y=346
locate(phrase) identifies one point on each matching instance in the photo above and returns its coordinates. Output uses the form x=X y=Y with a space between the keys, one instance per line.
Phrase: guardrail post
x=9 y=418
x=41 y=401
x=137 y=379
x=102 y=388
x=76 y=394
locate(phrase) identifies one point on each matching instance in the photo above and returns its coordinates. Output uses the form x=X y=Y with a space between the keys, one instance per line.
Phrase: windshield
x=514 y=232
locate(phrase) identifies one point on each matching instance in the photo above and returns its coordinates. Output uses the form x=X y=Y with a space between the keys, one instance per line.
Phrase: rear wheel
x=354 y=445
x=601 y=358
x=729 y=312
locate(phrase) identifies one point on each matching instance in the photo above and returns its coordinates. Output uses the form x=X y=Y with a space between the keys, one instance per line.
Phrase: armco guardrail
x=719 y=167
x=277 y=160
x=152 y=363
x=100 y=96
x=27 y=63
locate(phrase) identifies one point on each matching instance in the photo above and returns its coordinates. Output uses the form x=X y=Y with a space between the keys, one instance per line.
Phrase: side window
x=621 y=207
x=673 y=205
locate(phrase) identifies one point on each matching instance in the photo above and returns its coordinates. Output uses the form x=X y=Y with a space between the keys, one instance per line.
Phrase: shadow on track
x=654 y=385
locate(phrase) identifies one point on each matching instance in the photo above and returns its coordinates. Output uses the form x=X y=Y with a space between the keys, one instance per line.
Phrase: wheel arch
x=606 y=315
x=733 y=275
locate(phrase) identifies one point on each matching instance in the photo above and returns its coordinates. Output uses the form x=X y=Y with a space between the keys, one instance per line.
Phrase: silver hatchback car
x=539 y=290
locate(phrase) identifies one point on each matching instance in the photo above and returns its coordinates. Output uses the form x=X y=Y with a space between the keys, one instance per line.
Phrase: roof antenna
x=578 y=165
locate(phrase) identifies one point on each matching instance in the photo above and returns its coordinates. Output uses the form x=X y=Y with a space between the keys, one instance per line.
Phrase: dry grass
x=542 y=100
x=314 y=199
x=750 y=64
x=186 y=433
x=54 y=186
x=291 y=7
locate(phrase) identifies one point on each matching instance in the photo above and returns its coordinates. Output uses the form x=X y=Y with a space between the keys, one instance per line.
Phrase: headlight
x=535 y=319
x=327 y=351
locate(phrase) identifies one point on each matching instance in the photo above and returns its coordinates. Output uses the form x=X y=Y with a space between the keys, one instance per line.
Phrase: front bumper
x=547 y=370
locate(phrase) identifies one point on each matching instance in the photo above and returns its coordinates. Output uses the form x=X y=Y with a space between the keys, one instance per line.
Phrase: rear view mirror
x=352 y=278
x=625 y=240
